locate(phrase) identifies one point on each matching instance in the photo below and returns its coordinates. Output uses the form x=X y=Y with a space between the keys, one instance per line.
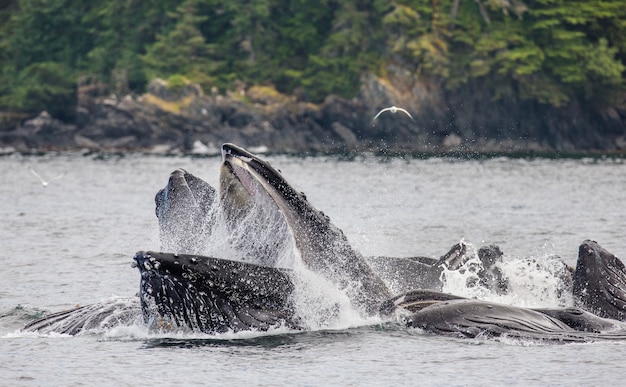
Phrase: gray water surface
x=72 y=243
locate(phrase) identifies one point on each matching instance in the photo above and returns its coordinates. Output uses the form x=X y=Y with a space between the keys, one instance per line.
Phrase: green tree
x=348 y=50
x=418 y=31
x=547 y=51
x=182 y=49
x=298 y=29
x=121 y=31
x=577 y=54
x=45 y=42
x=46 y=86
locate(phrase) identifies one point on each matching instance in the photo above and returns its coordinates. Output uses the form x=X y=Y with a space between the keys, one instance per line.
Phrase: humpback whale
x=193 y=292
x=246 y=179
x=403 y=274
x=188 y=292
x=600 y=282
x=476 y=318
x=184 y=208
x=259 y=234
x=323 y=247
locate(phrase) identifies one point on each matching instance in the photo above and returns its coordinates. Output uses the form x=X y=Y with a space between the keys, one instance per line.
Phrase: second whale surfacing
x=212 y=295
x=192 y=292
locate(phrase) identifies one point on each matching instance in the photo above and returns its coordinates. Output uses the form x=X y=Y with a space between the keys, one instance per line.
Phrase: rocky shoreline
x=185 y=120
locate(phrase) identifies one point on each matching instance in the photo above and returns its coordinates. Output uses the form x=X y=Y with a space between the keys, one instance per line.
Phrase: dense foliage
x=549 y=51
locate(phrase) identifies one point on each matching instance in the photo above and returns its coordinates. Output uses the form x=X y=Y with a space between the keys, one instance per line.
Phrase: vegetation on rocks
x=547 y=54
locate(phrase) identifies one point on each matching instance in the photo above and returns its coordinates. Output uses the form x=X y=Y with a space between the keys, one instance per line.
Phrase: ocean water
x=71 y=243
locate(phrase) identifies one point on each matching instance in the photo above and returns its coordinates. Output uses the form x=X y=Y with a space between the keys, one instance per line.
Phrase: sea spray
x=319 y=304
x=261 y=236
x=542 y=281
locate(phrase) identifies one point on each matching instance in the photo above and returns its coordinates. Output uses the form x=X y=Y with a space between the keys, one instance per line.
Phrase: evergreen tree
x=548 y=51
x=121 y=30
x=45 y=41
x=181 y=50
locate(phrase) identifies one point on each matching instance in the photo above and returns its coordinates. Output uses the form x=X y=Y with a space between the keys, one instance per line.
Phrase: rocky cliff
x=184 y=119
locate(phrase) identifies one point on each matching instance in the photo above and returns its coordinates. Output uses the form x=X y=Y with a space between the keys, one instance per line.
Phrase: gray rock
x=465 y=120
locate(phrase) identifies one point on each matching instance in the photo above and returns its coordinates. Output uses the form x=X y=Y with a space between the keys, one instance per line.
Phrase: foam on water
x=260 y=236
x=257 y=235
x=537 y=282
x=261 y=233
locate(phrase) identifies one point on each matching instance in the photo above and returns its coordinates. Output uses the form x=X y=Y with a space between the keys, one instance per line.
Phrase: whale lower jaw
x=203 y=294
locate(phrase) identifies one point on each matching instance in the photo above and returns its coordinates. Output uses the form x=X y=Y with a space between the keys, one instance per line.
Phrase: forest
x=551 y=52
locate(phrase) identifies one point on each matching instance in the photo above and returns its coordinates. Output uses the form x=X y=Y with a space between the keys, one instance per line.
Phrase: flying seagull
x=43 y=181
x=393 y=109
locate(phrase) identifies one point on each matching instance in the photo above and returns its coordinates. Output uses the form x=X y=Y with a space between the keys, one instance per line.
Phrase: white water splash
x=319 y=304
x=536 y=282
x=257 y=235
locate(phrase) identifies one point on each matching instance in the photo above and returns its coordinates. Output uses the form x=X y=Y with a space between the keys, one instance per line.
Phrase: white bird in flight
x=393 y=109
x=44 y=182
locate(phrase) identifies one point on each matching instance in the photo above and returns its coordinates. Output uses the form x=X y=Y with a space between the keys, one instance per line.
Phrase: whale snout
x=145 y=262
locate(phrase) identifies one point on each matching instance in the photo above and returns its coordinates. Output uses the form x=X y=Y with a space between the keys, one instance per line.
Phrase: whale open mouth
x=322 y=247
x=245 y=178
x=258 y=225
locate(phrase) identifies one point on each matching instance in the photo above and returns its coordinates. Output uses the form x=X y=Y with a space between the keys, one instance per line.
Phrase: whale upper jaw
x=185 y=210
x=322 y=246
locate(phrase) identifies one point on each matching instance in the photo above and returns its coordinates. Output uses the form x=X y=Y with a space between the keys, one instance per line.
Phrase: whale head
x=323 y=248
x=185 y=210
x=203 y=294
x=600 y=281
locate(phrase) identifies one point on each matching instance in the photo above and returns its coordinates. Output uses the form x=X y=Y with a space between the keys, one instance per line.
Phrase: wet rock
x=162 y=90
x=465 y=120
